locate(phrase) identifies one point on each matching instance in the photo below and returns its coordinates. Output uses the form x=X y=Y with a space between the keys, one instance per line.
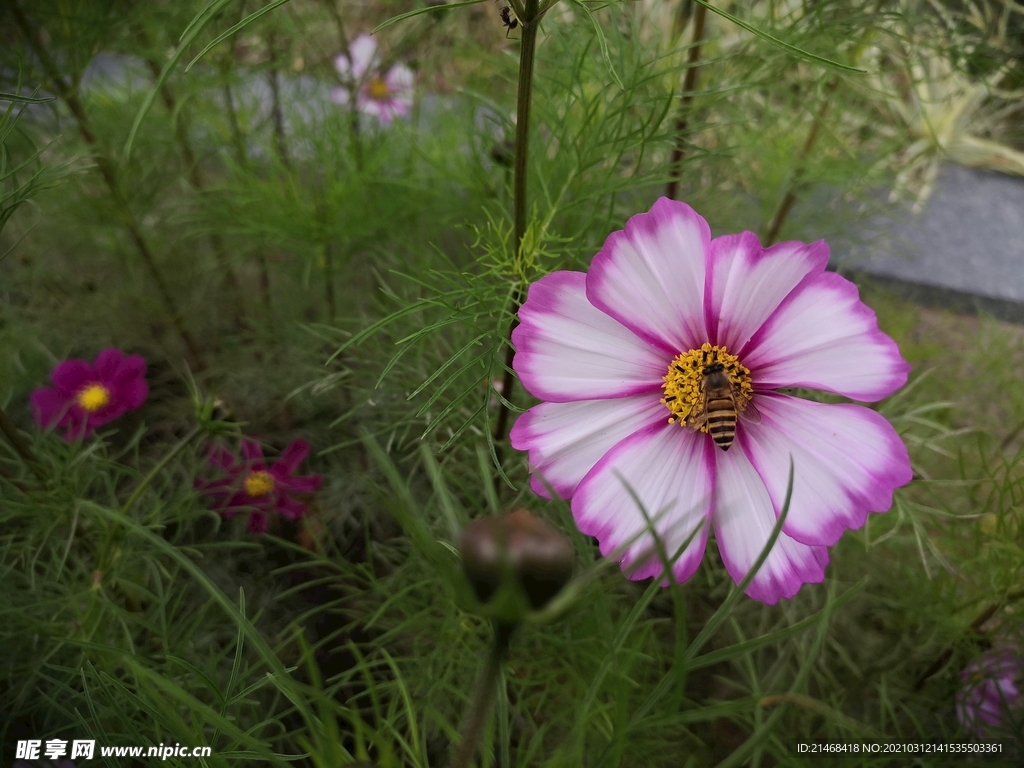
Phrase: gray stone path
x=964 y=252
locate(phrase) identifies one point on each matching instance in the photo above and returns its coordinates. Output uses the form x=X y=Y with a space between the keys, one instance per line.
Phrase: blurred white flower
x=384 y=96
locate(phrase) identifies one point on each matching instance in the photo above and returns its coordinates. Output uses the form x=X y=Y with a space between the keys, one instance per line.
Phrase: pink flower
x=84 y=397
x=620 y=356
x=257 y=488
x=989 y=690
x=383 y=96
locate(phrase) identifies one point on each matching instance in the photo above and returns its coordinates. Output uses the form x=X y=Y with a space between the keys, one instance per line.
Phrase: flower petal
x=48 y=407
x=400 y=80
x=109 y=362
x=362 y=51
x=650 y=277
x=253 y=453
x=339 y=95
x=129 y=368
x=71 y=375
x=370 y=107
x=132 y=394
x=291 y=508
x=744 y=518
x=823 y=337
x=221 y=457
x=671 y=472
x=746 y=283
x=567 y=350
x=289 y=461
x=847 y=461
x=300 y=483
x=566 y=440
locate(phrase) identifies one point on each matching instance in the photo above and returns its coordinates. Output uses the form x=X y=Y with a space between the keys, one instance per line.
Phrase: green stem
x=107 y=555
x=350 y=85
x=238 y=139
x=276 y=113
x=148 y=479
x=530 y=23
x=812 y=137
x=483 y=696
x=195 y=177
x=682 y=118
x=19 y=444
x=332 y=304
x=107 y=169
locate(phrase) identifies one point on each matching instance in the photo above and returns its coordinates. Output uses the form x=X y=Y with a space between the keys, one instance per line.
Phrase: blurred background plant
x=177 y=182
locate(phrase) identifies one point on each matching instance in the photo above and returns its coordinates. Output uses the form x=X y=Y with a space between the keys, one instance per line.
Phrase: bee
x=721 y=405
x=508 y=19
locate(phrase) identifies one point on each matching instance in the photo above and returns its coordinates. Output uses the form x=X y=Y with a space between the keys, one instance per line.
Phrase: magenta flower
x=383 y=96
x=627 y=356
x=84 y=397
x=989 y=690
x=254 y=487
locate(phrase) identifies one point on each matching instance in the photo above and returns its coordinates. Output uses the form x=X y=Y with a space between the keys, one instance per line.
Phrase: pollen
x=93 y=397
x=378 y=90
x=683 y=396
x=258 y=484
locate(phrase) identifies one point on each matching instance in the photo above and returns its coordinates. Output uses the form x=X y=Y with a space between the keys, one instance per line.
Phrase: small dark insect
x=508 y=19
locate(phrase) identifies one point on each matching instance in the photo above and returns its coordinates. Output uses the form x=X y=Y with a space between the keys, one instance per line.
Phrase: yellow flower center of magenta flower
x=258 y=484
x=685 y=387
x=93 y=397
x=378 y=90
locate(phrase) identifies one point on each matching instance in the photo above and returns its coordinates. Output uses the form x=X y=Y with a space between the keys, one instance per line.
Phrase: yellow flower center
x=258 y=484
x=378 y=90
x=93 y=397
x=685 y=388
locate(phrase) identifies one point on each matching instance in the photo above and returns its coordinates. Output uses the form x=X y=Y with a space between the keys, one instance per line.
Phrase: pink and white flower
x=616 y=356
x=989 y=690
x=384 y=96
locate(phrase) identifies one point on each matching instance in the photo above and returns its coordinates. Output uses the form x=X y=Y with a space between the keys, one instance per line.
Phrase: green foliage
x=355 y=283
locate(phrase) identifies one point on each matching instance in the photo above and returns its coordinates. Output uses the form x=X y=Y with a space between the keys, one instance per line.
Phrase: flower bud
x=516 y=546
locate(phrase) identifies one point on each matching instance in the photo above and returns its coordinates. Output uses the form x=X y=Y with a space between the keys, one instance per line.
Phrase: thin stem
x=148 y=479
x=195 y=176
x=238 y=139
x=19 y=444
x=483 y=696
x=109 y=552
x=812 y=137
x=530 y=23
x=107 y=169
x=332 y=304
x=975 y=627
x=351 y=85
x=682 y=117
x=276 y=113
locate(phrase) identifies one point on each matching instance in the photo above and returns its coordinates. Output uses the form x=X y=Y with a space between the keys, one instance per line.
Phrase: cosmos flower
x=254 y=487
x=989 y=689
x=618 y=355
x=84 y=397
x=385 y=96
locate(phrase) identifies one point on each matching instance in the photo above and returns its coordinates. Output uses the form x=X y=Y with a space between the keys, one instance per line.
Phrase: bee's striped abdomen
x=721 y=421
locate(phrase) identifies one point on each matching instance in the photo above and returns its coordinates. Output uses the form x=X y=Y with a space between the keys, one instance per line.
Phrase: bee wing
x=699 y=415
x=751 y=414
